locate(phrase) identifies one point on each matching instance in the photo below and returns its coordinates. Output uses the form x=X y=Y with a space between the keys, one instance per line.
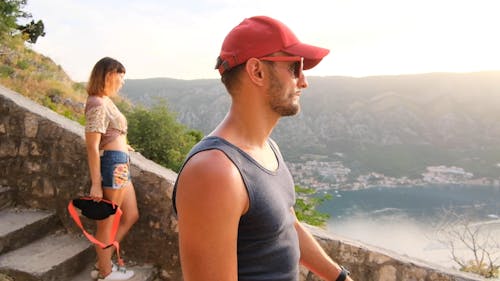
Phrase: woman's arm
x=92 y=140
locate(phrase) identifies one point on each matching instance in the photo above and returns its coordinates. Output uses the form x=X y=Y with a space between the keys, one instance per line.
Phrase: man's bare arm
x=314 y=257
x=210 y=200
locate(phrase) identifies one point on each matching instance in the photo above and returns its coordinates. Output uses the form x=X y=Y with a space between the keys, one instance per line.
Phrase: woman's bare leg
x=126 y=199
x=130 y=212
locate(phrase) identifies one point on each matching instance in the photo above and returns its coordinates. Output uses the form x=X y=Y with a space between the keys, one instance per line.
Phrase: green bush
x=157 y=135
x=46 y=101
x=23 y=64
x=81 y=119
x=6 y=71
x=305 y=206
x=69 y=114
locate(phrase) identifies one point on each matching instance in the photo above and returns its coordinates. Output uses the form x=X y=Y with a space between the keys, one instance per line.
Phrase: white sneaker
x=118 y=275
x=94 y=274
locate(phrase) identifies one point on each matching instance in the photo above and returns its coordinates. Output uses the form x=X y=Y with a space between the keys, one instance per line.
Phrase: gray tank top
x=268 y=247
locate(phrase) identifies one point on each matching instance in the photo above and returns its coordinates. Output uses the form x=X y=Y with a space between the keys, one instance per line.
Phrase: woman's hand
x=96 y=192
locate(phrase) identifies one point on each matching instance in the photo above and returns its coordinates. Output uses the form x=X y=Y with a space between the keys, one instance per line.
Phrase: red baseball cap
x=260 y=36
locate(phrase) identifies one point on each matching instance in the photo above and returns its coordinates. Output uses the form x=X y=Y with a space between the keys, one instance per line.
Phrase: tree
x=475 y=247
x=157 y=135
x=32 y=30
x=10 y=12
x=305 y=206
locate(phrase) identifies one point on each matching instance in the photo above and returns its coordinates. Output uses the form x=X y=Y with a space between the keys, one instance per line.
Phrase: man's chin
x=291 y=112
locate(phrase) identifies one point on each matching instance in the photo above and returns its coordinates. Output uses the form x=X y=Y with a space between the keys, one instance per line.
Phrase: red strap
x=114 y=229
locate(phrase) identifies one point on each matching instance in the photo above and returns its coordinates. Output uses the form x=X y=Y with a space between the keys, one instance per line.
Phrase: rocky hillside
x=39 y=78
x=394 y=125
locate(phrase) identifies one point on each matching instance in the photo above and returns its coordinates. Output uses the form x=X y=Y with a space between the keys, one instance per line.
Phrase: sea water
x=411 y=220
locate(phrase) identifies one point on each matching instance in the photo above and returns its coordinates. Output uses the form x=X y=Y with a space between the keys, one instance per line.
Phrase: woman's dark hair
x=97 y=80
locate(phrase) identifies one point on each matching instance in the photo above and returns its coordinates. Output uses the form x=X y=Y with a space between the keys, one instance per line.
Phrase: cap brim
x=312 y=55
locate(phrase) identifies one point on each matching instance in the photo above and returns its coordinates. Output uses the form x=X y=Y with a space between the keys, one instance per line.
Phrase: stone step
x=52 y=258
x=19 y=227
x=7 y=197
x=141 y=273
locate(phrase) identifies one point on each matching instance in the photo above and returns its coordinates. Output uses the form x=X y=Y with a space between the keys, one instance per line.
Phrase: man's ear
x=256 y=71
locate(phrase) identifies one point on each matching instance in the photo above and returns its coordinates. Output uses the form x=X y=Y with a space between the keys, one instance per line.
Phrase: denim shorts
x=115 y=169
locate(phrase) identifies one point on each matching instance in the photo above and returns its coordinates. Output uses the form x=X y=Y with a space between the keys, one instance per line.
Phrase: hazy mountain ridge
x=395 y=125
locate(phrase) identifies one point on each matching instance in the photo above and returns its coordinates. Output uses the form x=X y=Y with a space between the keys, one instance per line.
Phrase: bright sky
x=181 y=38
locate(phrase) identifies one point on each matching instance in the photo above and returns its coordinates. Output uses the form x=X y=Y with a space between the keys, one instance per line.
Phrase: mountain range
x=392 y=125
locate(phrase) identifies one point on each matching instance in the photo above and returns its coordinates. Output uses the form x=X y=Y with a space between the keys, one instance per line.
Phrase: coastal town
x=321 y=175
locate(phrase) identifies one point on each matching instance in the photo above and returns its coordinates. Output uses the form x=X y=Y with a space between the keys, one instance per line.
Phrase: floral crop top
x=102 y=116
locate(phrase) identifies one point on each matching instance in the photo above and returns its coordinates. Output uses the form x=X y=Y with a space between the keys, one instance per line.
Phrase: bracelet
x=343 y=274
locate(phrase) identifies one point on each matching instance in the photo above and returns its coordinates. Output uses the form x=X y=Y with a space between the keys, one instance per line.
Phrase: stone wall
x=368 y=263
x=43 y=157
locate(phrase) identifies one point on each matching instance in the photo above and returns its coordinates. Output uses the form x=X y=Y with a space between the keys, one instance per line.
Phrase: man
x=234 y=195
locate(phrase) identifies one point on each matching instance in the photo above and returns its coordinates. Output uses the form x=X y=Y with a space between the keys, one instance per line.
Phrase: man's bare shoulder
x=211 y=175
x=210 y=201
x=211 y=163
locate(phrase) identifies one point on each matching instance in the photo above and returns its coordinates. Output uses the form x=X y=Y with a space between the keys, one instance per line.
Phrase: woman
x=109 y=162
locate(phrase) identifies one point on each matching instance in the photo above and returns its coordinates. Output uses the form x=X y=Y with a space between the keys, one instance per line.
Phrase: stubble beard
x=280 y=103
